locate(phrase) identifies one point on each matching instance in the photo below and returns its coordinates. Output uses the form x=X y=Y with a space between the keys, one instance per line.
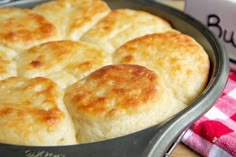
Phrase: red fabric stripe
x=211 y=130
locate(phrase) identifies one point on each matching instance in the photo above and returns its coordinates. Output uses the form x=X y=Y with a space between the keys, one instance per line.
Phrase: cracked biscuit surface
x=63 y=61
x=122 y=25
x=7 y=66
x=73 y=17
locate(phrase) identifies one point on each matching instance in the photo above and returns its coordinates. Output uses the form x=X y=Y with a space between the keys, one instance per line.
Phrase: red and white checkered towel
x=214 y=134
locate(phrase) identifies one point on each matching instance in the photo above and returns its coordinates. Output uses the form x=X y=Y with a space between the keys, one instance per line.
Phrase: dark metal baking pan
x=159 y=140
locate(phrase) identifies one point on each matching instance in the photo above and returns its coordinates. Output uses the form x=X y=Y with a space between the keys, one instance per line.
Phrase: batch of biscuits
x=77 y=71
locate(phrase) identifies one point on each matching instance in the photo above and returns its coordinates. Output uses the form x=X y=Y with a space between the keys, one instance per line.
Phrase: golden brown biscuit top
x=73 y=17
x=113 y=90
x=162 y=44
x=21 y=28
x=177 y=58
x=28 y=102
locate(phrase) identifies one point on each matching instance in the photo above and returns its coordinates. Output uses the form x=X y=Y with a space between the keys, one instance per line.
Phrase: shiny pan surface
x=156 y=141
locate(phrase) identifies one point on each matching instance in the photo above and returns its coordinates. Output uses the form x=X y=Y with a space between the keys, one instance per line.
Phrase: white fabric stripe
x=215 y=113
x=187 y=134
x=232 y=94
x=218 y=152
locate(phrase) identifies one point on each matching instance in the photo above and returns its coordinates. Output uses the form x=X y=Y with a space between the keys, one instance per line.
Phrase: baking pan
x=159 y=140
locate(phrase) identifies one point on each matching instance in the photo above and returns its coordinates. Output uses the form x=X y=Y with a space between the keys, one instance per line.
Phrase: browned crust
x=114 y=89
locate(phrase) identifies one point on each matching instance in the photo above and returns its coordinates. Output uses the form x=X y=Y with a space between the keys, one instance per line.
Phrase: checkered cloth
x=214 y=134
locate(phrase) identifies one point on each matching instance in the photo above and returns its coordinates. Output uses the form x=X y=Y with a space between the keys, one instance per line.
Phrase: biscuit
x=116 y=100
x=63 y=61
x=122 y=25
x=32 y=113
x=73 y=17
x=182 y=64
x=21 y=29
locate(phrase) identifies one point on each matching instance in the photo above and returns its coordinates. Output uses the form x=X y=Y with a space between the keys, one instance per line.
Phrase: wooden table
x=181 y=150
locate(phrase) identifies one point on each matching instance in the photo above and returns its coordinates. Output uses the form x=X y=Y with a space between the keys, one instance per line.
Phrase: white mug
x=220 y=17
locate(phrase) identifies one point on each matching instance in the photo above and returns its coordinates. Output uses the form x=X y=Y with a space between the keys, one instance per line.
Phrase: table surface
x=181 y=150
